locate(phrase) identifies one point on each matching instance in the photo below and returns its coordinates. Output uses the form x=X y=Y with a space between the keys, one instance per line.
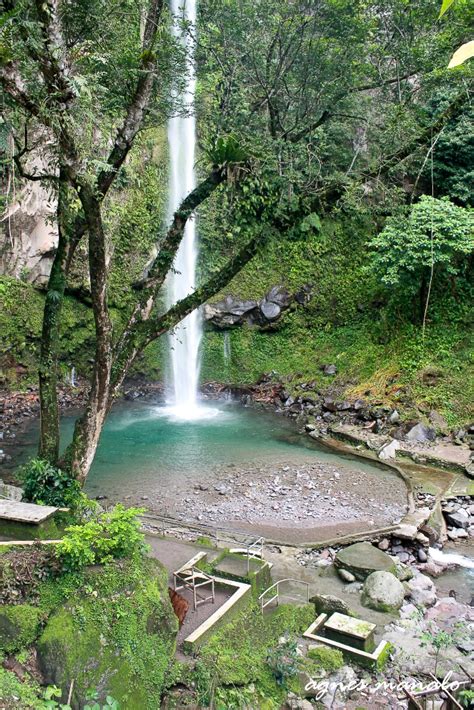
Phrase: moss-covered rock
x=383 y=591
x=117 y=634
x=330 y=659
x=19 y=626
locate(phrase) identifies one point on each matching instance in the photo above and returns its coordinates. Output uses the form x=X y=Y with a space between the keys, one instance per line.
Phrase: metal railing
x=193 y=579
x=218 y=534
x=276 y=596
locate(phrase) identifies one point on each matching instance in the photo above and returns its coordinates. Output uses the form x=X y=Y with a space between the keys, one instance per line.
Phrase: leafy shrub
x=113 y=534
x=328 y=658
x=110 y=702
x=283 y=661
x=47 y=485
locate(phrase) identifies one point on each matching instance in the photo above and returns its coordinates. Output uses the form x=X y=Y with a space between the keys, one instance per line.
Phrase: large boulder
x=362 y=558
x=118 y=637
x=383 y=591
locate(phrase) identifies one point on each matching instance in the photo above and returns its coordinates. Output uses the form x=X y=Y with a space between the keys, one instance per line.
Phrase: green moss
x=328 y=658
x=21 y=695
x=116 y=633
x=51 y=529
x=384 y=656
x=19 y=626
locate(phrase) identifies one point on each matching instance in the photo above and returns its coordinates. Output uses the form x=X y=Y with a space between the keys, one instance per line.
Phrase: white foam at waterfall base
x=185 y=340
x=186 y=413
x=451 y=558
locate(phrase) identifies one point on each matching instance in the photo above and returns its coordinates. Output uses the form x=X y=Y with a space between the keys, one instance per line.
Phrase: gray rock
x=421 y=590
x=438 y=422
x=393 y=417
x=469 y=470
x=403 y=571
x=389 y=451
x=459 y=519
x=346 y=576
x=422 y=556
x=343 y=406
x=330 y=370
x=420 y=433
x=383 y=591
x=280 y=296
x=296 y=703
x=329 y=404
x=232 y=312
x=457 y=534
x=403 y=556
x=384 y=544
x=271 y=311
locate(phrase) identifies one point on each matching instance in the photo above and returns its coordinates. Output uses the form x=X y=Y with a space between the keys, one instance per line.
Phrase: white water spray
x=185 y=340
x=451 y=558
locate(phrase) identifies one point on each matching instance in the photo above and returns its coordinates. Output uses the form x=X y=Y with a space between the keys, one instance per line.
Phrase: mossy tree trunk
x=50 y=336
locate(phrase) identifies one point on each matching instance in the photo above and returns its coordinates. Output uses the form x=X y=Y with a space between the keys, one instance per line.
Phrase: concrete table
x=350 y=631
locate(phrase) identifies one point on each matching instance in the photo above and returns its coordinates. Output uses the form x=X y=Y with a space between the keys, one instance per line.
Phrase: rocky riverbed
x=307 y=500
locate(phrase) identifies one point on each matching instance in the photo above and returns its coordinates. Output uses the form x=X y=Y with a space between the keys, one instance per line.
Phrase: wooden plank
x=25 y=512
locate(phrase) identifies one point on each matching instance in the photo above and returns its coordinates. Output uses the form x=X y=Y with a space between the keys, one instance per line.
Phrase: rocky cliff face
x=29 y=234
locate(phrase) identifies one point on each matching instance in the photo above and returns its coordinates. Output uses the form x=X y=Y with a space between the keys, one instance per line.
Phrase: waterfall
x=184 y=341
x=227 y=348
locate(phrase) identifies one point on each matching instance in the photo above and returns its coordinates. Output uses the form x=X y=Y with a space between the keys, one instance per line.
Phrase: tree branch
x=139 y=103
x=160 y=267
x=154 y=328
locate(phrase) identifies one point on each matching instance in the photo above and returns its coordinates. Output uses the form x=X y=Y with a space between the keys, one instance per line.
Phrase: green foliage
x=49 y=699
x=110 y=702
x=283 y=661
x=226 y=150
x=436 y=232
x=237 y=655
x=328 y=658
x=445 y=7
x=47 y=485
x=112 y=627
x=453 y=157
x=466 y=698
x=113 y=534
x=21 y=695
x=440 y=639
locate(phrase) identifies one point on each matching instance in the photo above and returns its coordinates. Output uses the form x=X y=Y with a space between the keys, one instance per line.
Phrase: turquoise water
x=143 y=447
